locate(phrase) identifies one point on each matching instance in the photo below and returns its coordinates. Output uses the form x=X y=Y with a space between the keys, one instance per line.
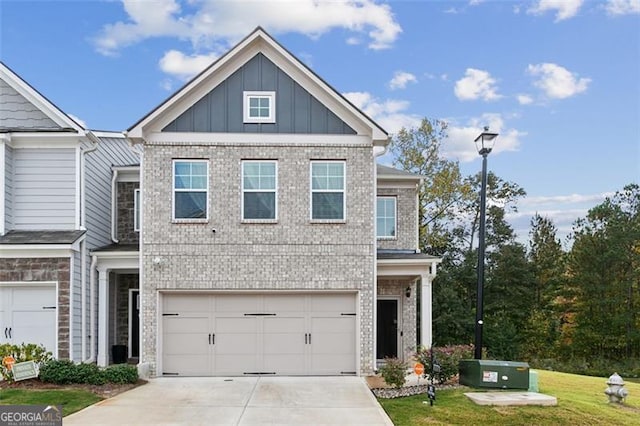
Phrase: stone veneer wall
x=126 y=213
x=124 y=282
x=409 y=308
x=226 y=254
x=44 y=269
x=406 y=220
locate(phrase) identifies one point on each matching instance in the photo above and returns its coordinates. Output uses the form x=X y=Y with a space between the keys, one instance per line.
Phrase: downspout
x=377 y=154
x=114 y=206
x=92 y=313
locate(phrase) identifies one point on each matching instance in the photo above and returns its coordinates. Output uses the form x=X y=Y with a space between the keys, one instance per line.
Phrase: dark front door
x=387 y=342
x=135 y=323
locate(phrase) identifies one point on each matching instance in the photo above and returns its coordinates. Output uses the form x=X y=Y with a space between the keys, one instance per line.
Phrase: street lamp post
x=484 y=144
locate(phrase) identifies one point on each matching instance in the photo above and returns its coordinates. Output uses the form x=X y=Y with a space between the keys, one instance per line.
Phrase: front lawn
x=581 y=400
x=72 y=400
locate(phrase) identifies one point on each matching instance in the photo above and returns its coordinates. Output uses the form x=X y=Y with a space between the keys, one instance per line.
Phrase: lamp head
x=486 y=140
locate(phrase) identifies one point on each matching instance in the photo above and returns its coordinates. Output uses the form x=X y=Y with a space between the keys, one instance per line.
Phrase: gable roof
x=33 y=106
x=256 y=42
x=389 y=173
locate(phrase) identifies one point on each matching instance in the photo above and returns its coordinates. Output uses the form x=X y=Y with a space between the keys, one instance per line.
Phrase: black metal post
x=481 y=249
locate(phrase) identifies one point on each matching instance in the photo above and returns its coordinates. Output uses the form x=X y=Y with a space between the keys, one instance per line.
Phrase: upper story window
x=259 y=190
x=136 y=209
x=259 y=107
x=386 y=217
x=327 y=190
x=190 y=189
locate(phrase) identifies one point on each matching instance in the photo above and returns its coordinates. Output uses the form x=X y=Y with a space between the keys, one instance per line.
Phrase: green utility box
x=480 y=373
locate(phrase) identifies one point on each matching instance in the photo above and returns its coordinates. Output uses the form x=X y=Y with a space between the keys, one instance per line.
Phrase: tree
x=417 y=150
x=604 y=278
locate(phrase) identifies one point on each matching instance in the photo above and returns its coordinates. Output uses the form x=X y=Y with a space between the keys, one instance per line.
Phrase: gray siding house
x=57 y=180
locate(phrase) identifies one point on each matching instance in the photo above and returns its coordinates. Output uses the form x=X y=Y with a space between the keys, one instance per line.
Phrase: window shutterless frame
x=136 y=210
x=192 y=181
x=328 y=177
x=259 y=106
x=258 y=179
x=386 y=216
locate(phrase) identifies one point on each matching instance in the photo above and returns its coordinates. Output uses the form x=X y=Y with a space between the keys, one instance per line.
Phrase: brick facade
x=406 y=219
x=44 y=269
x=126 y=213
x=292 y=254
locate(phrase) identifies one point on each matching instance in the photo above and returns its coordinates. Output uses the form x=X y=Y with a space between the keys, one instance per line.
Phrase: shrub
x=58 y=371
x=394 y=372
x=121 y=373
x=88 y=373
x=447 y=357
x=22 y=353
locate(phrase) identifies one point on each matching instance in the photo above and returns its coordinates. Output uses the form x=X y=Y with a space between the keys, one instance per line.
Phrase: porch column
x=103 y=317
x=426 y=333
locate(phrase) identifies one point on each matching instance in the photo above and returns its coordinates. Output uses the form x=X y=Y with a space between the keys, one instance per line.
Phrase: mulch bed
x=381 y=390
x=107 y=390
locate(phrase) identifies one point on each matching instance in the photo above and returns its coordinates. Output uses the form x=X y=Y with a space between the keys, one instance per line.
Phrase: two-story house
x=54 y=209
x=270 y=241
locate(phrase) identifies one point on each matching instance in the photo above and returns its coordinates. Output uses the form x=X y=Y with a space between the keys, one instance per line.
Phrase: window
x=136 y=210
x=386 y=217
x=327 y=190
x=259 y=107
x=259 y=190
x=190 y=189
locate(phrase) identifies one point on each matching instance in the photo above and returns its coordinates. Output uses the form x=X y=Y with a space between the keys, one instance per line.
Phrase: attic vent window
x=259 y=107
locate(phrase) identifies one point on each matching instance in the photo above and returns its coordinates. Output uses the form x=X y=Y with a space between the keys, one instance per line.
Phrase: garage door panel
x=284 y=303
x=34 y=297
x=284 y=363
x=185 y=343
x=284 y=325
x=226 y=325
x=239 y=344
x=333 y=325
x=333 y=303
x=333 y=364
x=186 y=324
x=238 y=303
x=34 y=327
x=187 y=365
x=30 y=312
x=236 y=364
x=186 y=303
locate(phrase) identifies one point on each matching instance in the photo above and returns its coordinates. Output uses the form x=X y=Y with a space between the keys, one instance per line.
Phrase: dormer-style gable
x=257 y=87
x=24 y=109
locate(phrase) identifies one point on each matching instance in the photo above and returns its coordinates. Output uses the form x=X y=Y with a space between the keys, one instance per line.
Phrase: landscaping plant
x=64 y=372
x=22 y=353
x=447 y=357
x=394 y=372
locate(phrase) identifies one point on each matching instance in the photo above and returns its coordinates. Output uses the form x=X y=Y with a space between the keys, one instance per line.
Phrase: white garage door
x=28 y=315
x=284 y=334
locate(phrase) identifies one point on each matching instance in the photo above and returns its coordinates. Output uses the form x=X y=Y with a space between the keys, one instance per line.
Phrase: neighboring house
x=54 y=209
x=258 y=248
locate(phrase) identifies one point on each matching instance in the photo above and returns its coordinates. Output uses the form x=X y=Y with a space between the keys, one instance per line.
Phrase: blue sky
x=558 y=79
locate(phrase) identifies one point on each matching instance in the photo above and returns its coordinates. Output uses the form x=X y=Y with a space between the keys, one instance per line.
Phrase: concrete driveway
x=239 y=401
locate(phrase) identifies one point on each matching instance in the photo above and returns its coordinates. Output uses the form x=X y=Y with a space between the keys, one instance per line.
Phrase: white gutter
x=83 y=152
x=92 y=310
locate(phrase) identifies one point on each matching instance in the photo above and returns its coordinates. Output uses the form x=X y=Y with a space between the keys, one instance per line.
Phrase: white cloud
x=401 y=79
x=475 y=2
x=524 y=99
x=78 y=120
x=390 y=113
x=476 y=84
x=214 y=22
x=564 y=9
x=184 y=66
x=459 y=145
x=568 y=199
x=557 y=82
x=622 y=7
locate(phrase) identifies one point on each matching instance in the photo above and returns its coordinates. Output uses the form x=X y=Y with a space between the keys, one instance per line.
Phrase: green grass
x=71 y=400
x=581 y=401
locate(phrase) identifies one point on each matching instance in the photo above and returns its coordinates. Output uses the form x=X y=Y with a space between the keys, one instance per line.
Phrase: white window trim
x=243 y=190
x=259 y=94
x=395 y=218
x=173 y=191
x=344 y=192
x=136 y=210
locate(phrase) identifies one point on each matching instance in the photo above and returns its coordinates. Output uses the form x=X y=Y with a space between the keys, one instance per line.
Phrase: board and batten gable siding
x=98 y=174
x=44 y=188
x=297 y=111
x=8 y=188
x=16 y=112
